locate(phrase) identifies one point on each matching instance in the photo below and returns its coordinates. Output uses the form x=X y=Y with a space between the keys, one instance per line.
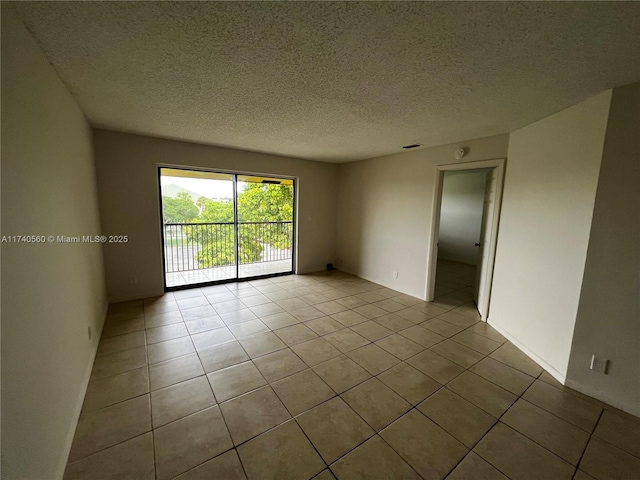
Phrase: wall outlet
x=89 y=332
x=599 y=364
x=133 y=280
x=395 y=274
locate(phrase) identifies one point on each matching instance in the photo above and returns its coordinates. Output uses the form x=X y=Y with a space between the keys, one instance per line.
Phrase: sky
x=205 y=187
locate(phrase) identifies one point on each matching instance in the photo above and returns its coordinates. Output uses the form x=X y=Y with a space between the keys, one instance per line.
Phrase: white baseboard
x=79 y=401
x=342 y=269
x=378 y=282
x=136 y=296
x=561 y=377
x=311 y=270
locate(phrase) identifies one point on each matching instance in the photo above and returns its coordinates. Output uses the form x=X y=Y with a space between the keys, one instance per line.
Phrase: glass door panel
x=199 y=229
x=265 y=225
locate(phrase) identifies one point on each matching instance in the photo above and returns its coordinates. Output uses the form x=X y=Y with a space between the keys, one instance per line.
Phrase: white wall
x=51 y=292
x=461 y=215
x=549 y=194
x=128 y=190
x=384 y=215
x=608 y=320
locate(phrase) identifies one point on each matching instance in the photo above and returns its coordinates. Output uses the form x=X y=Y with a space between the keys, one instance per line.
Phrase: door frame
x=432 y=255
x=235 y=173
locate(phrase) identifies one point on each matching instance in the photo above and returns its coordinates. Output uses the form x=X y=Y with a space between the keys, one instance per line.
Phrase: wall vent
x=415 y=145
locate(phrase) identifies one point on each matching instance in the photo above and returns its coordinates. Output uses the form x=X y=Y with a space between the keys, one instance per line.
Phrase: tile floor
x=330 y=376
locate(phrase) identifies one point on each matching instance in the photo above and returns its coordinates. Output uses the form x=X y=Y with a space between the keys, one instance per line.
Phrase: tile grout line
x=272 y=331
x=235 y=447
x=490 y=429
x=112 y=446
x=441 y=387
x=326 y=465
x=153 y=434
x=205 y=375
x=499 y=418
x=584 y=450
x=520 y=397
x=344 y=354
x=251 y=359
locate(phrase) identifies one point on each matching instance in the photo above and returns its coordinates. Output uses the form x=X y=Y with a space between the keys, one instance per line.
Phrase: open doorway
x=219 y=227
x=465 y=217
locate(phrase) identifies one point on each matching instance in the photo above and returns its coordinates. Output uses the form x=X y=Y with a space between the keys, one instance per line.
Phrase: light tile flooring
x=330 y=376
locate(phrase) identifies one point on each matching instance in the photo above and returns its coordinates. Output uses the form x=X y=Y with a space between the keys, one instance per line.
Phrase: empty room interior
x=330 y=240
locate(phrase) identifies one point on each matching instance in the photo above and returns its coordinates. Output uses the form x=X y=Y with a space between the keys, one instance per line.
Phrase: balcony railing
x=197 y=246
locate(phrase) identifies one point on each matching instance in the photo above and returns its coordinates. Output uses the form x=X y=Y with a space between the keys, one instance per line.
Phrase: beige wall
x=384 y=215
x=608 y=319
x=549 y=194
x=51 y=293
x=128 y=190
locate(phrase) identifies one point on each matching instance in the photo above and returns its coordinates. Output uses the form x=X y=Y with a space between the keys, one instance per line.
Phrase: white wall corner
x=560 y=376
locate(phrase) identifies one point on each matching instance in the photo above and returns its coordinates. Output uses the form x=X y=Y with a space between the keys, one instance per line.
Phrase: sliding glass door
x=220 y=227
x=265 y=225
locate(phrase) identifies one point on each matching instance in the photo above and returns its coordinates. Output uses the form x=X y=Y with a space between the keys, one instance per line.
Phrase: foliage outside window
x=260 y=208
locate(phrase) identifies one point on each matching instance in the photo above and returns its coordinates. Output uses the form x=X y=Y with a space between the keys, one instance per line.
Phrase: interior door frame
x=432 y=256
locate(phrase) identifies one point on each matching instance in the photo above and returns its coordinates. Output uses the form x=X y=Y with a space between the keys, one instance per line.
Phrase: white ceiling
x=332 y=81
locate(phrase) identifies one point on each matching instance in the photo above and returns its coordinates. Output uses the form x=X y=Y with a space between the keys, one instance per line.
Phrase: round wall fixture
x=459 y=153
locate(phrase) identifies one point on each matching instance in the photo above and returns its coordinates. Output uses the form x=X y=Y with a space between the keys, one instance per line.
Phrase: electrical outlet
x=89 y=332
x=395 y=274
x=599 y=364
x=133 y=280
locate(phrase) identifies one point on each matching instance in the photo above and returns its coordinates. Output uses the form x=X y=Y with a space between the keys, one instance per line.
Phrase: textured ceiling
x=332 y=81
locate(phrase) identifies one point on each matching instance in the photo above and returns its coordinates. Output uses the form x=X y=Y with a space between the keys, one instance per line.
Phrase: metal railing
x=197 y=246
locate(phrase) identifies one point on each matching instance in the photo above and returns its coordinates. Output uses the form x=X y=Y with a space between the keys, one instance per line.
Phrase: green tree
x=260 y=202
x=215 y=211
x=216 y=241
x=180 y=209
x=256 y=203
x=266 y=203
